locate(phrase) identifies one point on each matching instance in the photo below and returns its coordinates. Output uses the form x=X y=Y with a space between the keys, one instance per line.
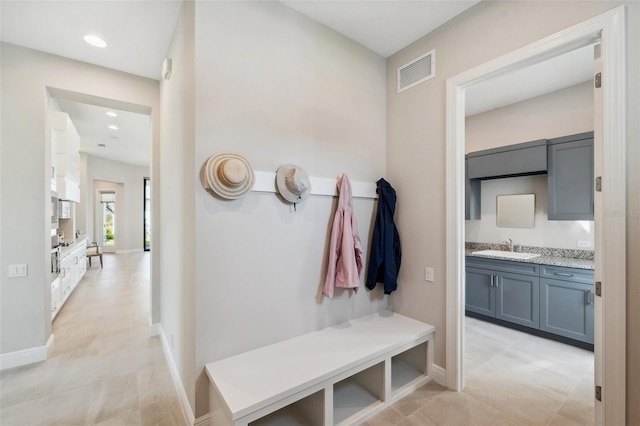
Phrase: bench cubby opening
x=308 y=411
x=357 y=393
x=409 y=366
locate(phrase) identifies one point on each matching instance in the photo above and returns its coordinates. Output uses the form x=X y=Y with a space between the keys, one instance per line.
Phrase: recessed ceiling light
x=111 y=114
x=113 y=127
x=95 y=41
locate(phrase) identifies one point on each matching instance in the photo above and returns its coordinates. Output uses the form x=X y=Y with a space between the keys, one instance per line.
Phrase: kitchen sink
x=506 y=254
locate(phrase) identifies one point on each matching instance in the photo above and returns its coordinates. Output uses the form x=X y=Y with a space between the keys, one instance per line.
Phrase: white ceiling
x=383 y=26
x=131 y=143
x=546 y=77
x=139 y=32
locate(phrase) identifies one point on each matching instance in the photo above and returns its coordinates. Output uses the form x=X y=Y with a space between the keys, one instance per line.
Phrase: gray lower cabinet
x=518 y=299
x=553 y=299
x=502 y=289
x=480 y=293
x=567 y=302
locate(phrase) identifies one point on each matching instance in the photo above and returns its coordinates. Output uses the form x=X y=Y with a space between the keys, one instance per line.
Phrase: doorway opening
x=108 y=213
x=609 y=239
x=146 y=237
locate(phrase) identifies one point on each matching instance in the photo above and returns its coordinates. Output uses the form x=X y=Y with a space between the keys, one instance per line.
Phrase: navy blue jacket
x=384 y=252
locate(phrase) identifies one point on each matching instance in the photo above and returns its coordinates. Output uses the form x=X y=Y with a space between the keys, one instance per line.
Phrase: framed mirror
x=515 y=211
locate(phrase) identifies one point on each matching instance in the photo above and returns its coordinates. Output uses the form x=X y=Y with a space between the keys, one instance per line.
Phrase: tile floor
x=513 y=378
x=104 y=369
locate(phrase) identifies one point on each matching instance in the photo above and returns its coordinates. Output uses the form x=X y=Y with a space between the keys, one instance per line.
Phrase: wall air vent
x=415 y=72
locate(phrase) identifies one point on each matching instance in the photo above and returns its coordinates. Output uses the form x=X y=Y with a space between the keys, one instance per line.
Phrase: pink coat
x=345 y=248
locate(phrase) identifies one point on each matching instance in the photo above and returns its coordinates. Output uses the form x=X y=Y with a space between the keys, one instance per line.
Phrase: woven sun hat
x=292 y=183
x=229 y=175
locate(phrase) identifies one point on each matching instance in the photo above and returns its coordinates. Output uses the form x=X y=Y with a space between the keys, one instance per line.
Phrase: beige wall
x=279 y=88
x=565 y=112
x=25 y=318
x=416 y=149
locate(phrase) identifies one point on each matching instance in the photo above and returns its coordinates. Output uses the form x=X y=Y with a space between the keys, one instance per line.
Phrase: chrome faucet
x=509 y=244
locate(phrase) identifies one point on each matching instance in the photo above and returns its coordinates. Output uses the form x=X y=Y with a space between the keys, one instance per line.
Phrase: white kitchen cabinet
x=72 y=269
x=66 y=141
x=56 y=297
x=80 y=263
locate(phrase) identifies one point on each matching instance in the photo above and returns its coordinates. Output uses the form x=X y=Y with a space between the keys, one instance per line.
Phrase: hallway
x=103 y=368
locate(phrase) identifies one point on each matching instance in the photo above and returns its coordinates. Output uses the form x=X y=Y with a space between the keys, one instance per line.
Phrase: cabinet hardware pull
x=492 y=277
x=563 y=274
x=589 y=297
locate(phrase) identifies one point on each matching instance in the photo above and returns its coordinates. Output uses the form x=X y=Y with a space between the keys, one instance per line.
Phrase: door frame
x=610 y=205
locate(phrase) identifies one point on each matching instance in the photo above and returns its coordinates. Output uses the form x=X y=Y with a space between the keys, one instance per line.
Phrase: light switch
x=428 y=274
x=18 y=270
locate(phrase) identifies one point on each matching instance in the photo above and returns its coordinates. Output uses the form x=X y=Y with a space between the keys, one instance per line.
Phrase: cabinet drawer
x=504 y=265
x=577 y=275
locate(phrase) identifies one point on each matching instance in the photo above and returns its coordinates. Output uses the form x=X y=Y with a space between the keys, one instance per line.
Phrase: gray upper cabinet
x=513 y=160
x=570 y=177
x=472 y=195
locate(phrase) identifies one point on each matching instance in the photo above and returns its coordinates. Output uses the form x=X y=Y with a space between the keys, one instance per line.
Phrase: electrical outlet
x=428 y=274
x=584 y=244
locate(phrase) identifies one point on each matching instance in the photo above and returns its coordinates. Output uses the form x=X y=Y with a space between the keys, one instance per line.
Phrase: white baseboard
x=129 y=251
x=155 y=329
x=26 y=356
x=203 y=420
x=189 y=417
x=439 y=375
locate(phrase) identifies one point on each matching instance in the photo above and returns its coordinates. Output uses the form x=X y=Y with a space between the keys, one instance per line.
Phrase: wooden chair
x=93 y=249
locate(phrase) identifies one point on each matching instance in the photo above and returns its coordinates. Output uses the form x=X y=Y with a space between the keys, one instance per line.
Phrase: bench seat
x=320 y=378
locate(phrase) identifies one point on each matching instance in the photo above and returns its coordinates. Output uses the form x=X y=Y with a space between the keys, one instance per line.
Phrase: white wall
x=177 y=203
x=565 y=112
x=416 y=149
x=545 y=233
x=25 y=211
x=129 y=201
x=278 y=88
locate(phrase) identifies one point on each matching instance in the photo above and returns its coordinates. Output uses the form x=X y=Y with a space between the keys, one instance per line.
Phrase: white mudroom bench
x=339 y=375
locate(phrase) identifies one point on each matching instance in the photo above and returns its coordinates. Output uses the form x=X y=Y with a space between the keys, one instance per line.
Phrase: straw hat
x=292 y=183
x=229 y=175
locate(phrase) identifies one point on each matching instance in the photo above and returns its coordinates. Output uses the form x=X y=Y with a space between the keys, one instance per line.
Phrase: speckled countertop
x=67 y=250
x=581 y=259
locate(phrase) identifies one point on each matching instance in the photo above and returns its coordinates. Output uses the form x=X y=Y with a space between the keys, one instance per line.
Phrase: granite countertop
x=581 y=259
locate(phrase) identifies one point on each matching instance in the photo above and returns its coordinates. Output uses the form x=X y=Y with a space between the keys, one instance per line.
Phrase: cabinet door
x=472 y=195
x=570 y=179
x=566 y=308
x=518 y=299
x=480 y=291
